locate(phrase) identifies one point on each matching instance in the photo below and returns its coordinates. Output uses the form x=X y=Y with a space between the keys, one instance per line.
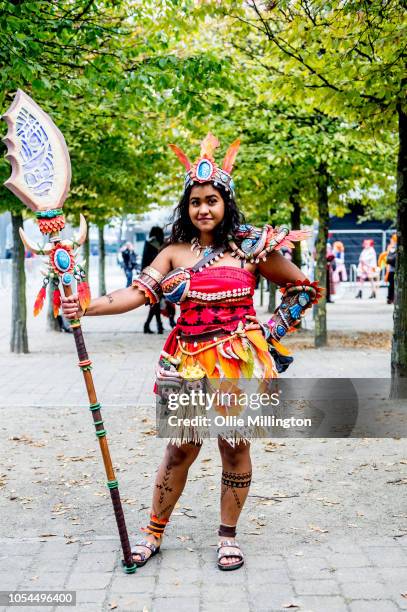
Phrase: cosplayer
x=339 y=274
x=210 y=269
x=387 y=262
x=367 y=268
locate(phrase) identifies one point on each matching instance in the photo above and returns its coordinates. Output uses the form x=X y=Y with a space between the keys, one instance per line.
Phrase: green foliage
x=112 y=75
x=303 y=84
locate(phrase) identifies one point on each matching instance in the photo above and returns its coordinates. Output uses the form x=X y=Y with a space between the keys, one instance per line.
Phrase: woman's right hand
x=71 y=307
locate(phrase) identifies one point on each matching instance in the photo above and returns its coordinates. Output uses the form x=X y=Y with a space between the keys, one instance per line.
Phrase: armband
x=297 y=298
x=254 y=244
x=149 y=283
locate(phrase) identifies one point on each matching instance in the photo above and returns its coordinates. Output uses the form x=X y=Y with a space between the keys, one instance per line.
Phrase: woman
x=210 y=268
x=340 y=274
x=367 y=269
x=151 y=249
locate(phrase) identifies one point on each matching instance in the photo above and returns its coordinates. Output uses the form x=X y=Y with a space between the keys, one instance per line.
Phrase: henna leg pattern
x=235 y=484
x=169 y=484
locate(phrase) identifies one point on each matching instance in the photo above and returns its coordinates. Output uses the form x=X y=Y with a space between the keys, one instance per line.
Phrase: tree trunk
x=272 y=297
x=19 y=339
x=296 y=225
x=320 y=335
x=399 y=344
x=102 y=275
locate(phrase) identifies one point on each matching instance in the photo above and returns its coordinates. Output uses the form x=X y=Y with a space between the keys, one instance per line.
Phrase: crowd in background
x=370 y=269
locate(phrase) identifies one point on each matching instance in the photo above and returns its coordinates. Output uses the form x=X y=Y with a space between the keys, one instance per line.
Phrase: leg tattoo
x=163 y=485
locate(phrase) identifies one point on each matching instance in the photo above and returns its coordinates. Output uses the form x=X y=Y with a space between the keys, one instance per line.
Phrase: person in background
x=330 y=267
x=339 y=273
x=391 y=256
x=151 y=249
x=367 y=268
x=129 y=262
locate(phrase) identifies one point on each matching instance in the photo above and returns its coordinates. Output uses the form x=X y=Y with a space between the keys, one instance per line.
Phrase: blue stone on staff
x=62 y=260
x=67 y=278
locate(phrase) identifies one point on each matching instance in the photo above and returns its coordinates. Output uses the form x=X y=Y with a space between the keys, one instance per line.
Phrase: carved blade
x=36 y=149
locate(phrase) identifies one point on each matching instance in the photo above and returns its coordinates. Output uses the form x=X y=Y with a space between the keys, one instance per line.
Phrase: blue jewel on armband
x=295 y=311
x=280 y=329
x=303 y=299
x=283 y=305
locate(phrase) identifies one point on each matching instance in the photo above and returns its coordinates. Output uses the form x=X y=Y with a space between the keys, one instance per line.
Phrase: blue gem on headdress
x=204 y=169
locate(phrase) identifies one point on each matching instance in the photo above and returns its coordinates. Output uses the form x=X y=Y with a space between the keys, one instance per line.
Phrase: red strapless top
x=209 y=312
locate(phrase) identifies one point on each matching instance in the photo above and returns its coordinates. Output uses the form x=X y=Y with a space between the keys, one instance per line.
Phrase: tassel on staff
x=82 y=286
x=56 y=301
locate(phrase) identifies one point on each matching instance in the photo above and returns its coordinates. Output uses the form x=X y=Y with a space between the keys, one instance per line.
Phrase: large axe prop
x=40 y=178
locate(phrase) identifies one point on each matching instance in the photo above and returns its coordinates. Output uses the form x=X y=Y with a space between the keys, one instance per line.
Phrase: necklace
x=197 y=248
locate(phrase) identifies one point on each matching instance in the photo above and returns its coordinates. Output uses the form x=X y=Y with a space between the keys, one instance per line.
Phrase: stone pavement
x=324 y=528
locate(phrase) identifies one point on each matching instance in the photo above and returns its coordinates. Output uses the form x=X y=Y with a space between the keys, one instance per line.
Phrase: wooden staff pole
x=85 y=365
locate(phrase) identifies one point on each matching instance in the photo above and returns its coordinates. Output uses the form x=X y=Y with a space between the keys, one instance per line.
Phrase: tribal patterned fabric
x=212 y=335
x=210 y=347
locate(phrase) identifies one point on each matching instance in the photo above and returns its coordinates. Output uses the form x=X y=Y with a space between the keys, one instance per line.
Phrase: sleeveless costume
x=210 y=347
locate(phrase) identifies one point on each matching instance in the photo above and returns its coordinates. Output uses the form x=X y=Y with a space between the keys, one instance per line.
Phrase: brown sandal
x=229 y=566
x=154 y=550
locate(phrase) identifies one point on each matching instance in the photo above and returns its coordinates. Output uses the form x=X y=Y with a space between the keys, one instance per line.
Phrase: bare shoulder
x=170 y=257
x=180 y=254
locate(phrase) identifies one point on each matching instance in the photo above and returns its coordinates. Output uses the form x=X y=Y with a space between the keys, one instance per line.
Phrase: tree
x=103 y=71
x=296 y=160
x=349 y=60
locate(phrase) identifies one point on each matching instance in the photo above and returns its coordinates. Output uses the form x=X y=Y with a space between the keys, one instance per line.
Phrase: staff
x=40 y=178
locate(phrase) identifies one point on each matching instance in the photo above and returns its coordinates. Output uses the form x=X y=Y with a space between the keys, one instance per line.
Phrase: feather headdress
x=205 y=169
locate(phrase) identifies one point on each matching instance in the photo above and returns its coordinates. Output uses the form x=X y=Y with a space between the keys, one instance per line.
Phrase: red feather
x=208 y=145
x=84 y=294
x=181 y=156
x=39 y=302
x=230 y=156
x=56 y=301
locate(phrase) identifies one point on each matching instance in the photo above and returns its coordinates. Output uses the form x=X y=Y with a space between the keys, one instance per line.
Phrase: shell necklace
x=199 y=250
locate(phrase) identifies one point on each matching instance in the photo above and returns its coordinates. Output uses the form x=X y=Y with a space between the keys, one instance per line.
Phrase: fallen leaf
x=327 y=502
x=318 y=529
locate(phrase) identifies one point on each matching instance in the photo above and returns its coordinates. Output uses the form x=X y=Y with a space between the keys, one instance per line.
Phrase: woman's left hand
x=253 y=323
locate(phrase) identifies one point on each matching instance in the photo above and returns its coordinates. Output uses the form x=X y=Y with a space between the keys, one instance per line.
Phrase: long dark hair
x=183 y=230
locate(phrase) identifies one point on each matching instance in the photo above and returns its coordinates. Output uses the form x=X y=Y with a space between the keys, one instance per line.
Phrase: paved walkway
x=324 y=528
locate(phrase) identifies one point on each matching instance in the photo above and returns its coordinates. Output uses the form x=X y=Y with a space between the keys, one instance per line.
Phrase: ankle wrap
x=156 y=526
x=227 y=531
